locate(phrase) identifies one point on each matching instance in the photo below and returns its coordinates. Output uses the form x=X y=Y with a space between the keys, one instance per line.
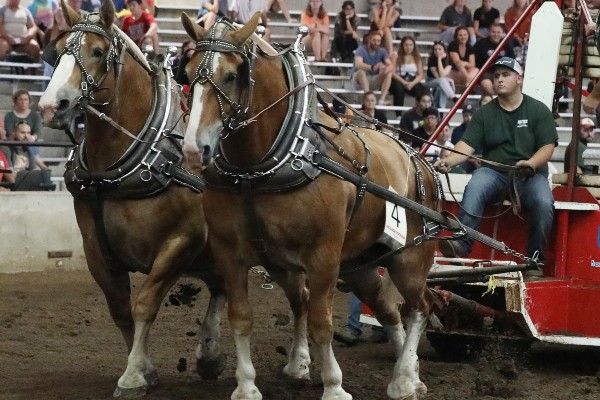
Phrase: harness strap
x=330 y=166
x=255 y=227
x=361 y=116
x=184 y=177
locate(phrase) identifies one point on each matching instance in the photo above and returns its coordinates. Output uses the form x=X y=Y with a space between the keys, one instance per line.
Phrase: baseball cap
x=508 y=62
x=469 y=109
x=587 y=122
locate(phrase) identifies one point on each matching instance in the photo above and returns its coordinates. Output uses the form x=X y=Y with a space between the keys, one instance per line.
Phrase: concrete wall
x=38 y=232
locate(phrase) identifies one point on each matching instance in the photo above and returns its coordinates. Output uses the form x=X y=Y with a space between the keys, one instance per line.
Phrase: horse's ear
x=240 y=37
x=195 y=31
x=71 y=16
x=107 y=13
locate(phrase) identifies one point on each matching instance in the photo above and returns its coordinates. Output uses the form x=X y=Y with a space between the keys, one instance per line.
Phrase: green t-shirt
x=510 y=136
x=581 y=147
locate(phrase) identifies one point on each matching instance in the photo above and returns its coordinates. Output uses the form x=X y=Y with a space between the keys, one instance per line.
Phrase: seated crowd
x=467 y=40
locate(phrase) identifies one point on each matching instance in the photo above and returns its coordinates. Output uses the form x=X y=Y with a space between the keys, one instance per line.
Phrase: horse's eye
x=230 y=77
x=97 y=52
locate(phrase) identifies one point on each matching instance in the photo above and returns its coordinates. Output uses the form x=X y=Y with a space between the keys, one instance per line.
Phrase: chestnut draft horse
x=132 y=214
x=268 y=202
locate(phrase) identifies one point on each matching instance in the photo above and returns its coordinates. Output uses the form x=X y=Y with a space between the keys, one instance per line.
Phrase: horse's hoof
x=343 y=395
x=402 y=391
x=152 y=381
x=211 y=369
x=421 y=389
x=130 y=393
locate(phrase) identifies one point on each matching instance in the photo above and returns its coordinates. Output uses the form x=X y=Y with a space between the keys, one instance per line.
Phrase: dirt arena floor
x=57 y=341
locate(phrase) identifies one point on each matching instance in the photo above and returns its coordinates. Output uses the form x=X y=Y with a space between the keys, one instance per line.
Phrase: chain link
x=267 y=280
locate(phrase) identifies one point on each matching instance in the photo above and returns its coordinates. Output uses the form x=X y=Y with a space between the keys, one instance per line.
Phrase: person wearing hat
x=457 y=133
x=513 y=129
x=586 y=135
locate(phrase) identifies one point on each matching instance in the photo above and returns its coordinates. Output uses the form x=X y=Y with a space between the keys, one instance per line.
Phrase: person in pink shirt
x=140 y=26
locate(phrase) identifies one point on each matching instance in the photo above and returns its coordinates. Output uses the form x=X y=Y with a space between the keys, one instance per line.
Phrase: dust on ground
x=57 y=341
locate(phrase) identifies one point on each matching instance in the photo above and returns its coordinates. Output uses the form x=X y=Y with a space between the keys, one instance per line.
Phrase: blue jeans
x=488 y=185
x=354 y=311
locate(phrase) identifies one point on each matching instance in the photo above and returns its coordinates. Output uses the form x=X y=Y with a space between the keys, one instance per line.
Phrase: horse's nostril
x=206 y=152
x=63 y=105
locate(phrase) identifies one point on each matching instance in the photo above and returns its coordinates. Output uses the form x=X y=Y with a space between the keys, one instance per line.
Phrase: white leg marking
x=245 y=373
x=331 y=376
x=138 y=362
x=397 y=337
x=405 y=381
x=299 y=359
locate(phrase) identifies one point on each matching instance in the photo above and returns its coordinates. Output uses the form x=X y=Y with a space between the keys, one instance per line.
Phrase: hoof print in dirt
x=509 y=370
x=184 y=294
x=281 y=319
x=281 y=350
x=182 y=364
x=210 y=370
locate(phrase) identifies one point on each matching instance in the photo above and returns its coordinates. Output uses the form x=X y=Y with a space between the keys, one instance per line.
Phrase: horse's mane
x=132 y=46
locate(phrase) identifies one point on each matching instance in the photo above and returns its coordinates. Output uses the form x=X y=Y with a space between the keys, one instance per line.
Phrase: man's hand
x=441 y=166
x=525 y=169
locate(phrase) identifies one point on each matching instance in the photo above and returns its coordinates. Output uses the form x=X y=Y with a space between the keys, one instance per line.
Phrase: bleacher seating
x=171 y=33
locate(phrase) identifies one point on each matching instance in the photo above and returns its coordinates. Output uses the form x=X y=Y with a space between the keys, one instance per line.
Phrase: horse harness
x=153 y=159
x=297 y=159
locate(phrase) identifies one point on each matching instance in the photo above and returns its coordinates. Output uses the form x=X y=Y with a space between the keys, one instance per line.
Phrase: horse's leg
x=320 y=327
x=166 y=269
x=294 y=286
x=240 y=317
x=409 y=273
x=210 y=361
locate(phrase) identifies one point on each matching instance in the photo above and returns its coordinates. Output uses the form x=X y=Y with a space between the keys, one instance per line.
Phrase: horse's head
x=82 y=57
x=221 y=75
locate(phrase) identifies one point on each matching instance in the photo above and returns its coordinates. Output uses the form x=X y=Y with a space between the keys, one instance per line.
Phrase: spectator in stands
x=243 y=10
x=369 y=102
x=413 y=118
x=90 y=5
x=22 y=112
x=457 y=133
x=42 y=12
x=58 y=25
x=441 y=146
x=207 y=15
x=408 y=72
x=485 y=98
x=6 y=173
x=483 y=50
x=586 y=136
x=21 y=157
x=521 y=35
x=280 y=5
x=384 y=18
x=75 y=4
x=484 y=17
x=351 y=332
x=345 y=33
x=513 y=129
x=454 y=16
x=316 y=19
x=431 y=117
x=140 y=26
x=438 y=75
x=18 y=31
x=372 y=67
x=2 y=130
x=467 y=114
x=462 y=58
x=187 y=51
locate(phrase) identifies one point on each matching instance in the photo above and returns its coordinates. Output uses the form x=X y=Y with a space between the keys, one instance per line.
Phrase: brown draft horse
x=237 y=115
x=161 y=235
